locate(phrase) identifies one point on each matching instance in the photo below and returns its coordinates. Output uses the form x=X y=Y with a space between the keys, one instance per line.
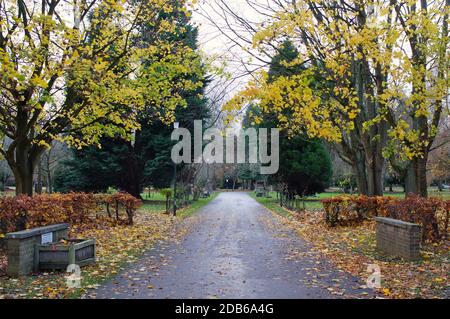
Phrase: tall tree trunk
x=375 y=170
x=24 y=182
x=416 y=177
x=22 y=155
x=23 y=165
x=361 y=178
x=39 y=181
x=49 y=182
x=420 y=171
x=133 y=168
x=132 y=177
x=373 y=138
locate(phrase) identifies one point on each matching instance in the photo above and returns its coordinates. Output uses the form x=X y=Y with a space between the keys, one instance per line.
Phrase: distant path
x=237 y=250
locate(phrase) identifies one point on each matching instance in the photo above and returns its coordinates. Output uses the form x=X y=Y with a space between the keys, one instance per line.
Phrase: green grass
x=195 y=206
x=271 y=204
x=432 y=192
x=153 y=196
x=311 y=203
x=183 y=212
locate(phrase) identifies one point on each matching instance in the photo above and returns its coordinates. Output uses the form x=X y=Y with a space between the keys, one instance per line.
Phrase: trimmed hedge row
x=22 y=212
x=431 y=213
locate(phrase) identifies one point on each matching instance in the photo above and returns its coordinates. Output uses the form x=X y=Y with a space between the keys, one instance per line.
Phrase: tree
x=5 y=171
x=78 y=71
x=424 y=68
x=441 y=166
x=49 y=162
x=86 y=171
x=146 y=160
x=305 y=164
x=439 y=162
x=383 y=74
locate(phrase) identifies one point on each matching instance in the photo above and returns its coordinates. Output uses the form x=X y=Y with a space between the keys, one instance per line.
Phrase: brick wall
x=398 y=238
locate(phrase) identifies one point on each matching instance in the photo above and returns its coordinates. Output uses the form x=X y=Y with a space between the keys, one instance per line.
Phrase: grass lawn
x=432 y=192
x=195 y=206
x=271 y=204
x=183 y=212
x=153 y=196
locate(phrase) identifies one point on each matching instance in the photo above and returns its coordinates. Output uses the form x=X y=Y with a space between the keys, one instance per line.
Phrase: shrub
x=431 y=213
x=126 y=201
x=82 y=209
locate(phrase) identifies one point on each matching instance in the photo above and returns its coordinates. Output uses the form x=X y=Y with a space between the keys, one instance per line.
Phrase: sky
x=214 y=42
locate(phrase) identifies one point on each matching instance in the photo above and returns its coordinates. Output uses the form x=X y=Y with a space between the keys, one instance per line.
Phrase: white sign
x=46 y=238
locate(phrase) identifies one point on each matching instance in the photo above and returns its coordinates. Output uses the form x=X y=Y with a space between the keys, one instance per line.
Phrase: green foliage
x=305 y=164
x=86 y=171
x=281 y=64
x=131 y=166
x=347 y=183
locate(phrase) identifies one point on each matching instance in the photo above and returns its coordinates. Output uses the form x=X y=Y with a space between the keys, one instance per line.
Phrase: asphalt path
x=237 y=249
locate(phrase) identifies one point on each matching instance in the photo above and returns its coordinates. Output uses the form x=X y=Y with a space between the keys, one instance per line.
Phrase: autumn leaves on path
x=236 y=249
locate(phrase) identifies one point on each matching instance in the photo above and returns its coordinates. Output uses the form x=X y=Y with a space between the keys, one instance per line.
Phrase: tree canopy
x=79 y=71
x=305 y=164
x=144 y=161
x=385 y=64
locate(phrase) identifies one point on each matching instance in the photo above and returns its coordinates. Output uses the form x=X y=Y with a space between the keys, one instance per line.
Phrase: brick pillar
x=398 y=238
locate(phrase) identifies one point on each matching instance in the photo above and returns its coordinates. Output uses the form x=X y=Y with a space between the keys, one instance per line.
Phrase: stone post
x=398 y=238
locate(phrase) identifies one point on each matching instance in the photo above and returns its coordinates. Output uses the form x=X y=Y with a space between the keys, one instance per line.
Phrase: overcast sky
x=213 y=42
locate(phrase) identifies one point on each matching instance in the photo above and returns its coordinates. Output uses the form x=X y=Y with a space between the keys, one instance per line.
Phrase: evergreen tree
x=305 y=164
x=146 y=161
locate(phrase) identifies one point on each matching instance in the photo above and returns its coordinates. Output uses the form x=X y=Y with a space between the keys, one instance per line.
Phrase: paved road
x=238 y=249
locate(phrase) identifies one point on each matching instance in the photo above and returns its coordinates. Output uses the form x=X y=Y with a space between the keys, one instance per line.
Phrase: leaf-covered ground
x=236 y=249
x=352 y=249
x=116 y=247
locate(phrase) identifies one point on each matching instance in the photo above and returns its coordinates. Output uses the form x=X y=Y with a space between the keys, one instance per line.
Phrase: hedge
x=22 y=212
x=431 y=213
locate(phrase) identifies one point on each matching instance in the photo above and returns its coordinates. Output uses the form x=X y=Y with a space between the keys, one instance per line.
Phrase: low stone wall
x=21 y=246
x=398 y=238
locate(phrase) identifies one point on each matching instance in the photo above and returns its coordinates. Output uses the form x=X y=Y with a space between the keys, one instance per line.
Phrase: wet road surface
x=237 y=249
